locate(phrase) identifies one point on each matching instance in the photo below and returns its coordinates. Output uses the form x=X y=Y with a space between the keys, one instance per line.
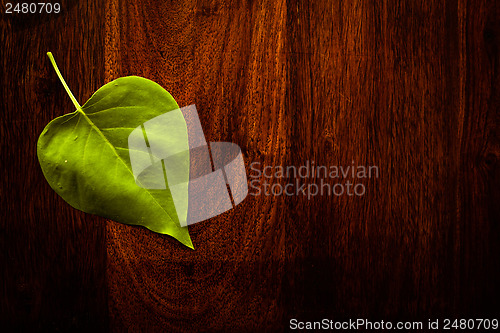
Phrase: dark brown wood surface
x=53 y=257
x=410 y=87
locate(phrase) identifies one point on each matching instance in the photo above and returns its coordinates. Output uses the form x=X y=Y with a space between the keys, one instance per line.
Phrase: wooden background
x=412 y=87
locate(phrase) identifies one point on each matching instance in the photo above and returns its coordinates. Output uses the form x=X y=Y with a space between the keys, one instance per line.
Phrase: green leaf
x=84 y=155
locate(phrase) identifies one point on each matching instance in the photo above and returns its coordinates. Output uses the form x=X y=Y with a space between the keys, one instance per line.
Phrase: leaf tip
x=189 y=244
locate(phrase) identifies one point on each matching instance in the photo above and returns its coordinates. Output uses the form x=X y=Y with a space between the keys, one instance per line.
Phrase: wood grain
x=53 y=257
x=411 y=87
x=378 y=86
x=228 y=59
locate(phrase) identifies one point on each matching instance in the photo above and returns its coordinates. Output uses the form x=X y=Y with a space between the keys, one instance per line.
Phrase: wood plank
x=53 y=257
x=228 y=59
x=479 y=181
x=410 y=87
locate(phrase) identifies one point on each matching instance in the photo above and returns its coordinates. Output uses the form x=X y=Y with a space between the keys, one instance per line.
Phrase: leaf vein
x=93 y=126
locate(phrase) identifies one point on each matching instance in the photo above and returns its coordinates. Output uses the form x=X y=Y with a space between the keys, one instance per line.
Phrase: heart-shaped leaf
x=84 y=155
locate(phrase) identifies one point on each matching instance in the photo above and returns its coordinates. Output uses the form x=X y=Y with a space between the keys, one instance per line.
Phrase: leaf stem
x=73 y=99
